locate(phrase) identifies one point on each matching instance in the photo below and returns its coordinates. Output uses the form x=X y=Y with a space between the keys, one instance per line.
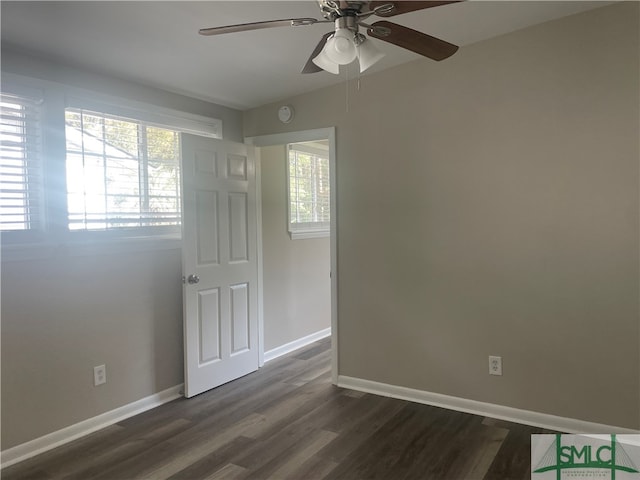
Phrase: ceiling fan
x=346 y=43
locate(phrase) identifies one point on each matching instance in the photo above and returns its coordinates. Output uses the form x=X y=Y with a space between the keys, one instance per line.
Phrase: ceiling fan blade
x=287 y=22
x=397 y=8
x=311 y=67
x=418 y=42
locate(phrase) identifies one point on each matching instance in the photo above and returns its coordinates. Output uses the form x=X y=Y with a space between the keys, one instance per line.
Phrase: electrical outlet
x=99 y=375
x=495 y=365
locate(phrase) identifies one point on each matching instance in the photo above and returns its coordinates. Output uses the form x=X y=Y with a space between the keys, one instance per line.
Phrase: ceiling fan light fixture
x=345 y=43
x=368 y=54
x=324 y=62
x=341 y=48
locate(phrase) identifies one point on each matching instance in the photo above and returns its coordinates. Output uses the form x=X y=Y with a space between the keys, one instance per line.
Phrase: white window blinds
x=121 y=173
x=309 y=197
x=21 y=197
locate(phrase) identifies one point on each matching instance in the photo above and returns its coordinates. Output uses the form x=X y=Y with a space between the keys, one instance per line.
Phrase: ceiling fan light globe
x=342 y=45
x=325 y=63
x=340 y=48
x=368 y=55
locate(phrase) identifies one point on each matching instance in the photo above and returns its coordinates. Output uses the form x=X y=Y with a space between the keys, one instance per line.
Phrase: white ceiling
x=156 y=42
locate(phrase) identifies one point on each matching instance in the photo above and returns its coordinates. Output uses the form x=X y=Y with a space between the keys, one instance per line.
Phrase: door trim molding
x=283 y=139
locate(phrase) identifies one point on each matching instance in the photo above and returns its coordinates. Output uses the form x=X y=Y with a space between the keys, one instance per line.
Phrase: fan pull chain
x=358 y=84
x=346 y=72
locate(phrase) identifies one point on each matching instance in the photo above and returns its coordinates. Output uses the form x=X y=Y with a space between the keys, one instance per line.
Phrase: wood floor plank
x=321 y=346
x=455 y=446
x=24 y=473
x=513 y=460
x=63 y=458
x=294 y=462
x=277 y=444
x=148 y=458
x=425 y=453
x=164 y=469
x=315 y=468
x=279 y=416
x=287 y=421
x=215 y=463
x=98 y=464
x=357 y=424
x=480 y=454
x=390 y=450
x=228 y=472
x=310 y=374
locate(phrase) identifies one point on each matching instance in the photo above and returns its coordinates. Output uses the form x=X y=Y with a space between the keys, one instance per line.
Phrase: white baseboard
x=526 y=417
x=295 y=345
x=60 y=437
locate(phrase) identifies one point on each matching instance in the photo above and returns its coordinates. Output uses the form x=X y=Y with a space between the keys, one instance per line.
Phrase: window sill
x=303 y=235
x=83 y=247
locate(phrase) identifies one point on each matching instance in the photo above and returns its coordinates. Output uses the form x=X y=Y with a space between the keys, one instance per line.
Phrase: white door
x=219 y=262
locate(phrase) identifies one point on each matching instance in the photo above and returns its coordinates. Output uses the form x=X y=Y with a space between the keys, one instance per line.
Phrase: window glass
x=121 y=173
x=309 y=196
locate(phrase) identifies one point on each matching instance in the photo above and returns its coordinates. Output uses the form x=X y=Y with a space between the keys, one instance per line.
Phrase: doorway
x=297 y=272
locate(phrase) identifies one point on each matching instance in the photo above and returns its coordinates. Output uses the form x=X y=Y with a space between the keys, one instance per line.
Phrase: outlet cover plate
x=99 y=375
x=495 y=365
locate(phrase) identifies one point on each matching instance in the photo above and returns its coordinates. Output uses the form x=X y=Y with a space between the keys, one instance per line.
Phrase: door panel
x=209 y=323
x=241 y=340
x=219 y=262
x=207 y=231
x=238 y=213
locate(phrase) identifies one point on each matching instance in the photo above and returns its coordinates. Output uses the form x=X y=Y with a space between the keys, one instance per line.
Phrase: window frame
x=143 y=162
x=150 y=115
x=306 y=230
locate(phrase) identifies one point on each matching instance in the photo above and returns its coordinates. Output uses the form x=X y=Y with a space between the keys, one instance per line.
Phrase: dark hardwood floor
x=287 y=421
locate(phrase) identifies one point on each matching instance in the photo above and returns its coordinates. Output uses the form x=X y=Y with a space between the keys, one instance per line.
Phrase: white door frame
x=283 y=139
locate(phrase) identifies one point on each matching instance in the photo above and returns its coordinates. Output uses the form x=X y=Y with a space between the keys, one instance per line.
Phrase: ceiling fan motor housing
x=332 y=9
x=348 y=21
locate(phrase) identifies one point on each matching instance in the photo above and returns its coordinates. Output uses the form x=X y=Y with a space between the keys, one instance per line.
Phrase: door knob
x=193 y=279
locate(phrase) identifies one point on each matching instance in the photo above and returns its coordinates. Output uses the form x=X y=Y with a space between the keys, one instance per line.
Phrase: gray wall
x=65 y=313
x=297 y=287
x=62 y=316
x=488 y=205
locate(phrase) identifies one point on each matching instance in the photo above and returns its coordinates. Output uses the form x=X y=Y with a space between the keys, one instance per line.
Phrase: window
x=121 y=173
x=80 y=168
x=309 y=198
x=21 y=195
